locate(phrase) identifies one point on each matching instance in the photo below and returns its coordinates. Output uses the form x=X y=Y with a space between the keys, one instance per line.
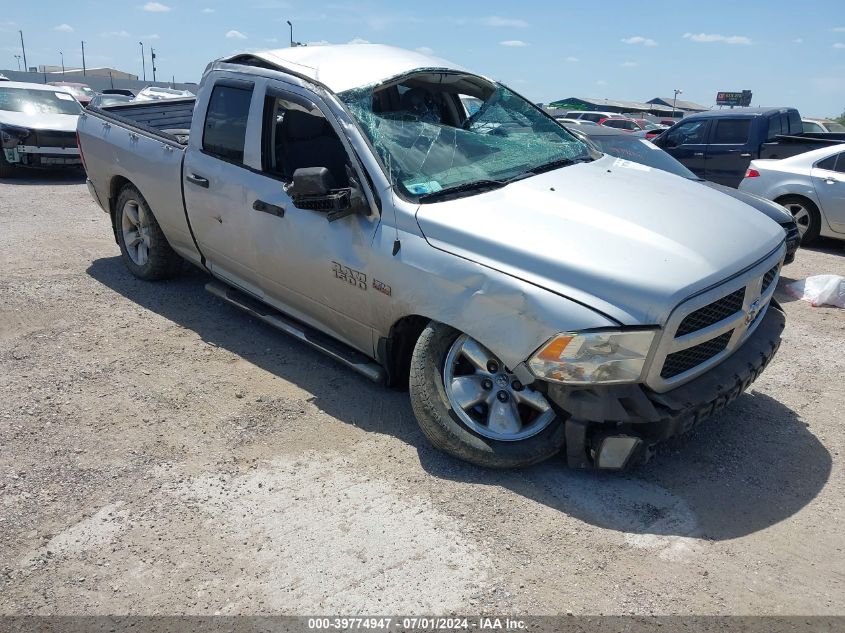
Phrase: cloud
x=425 y=50
x=638 y=39
x=64 y=28
x=235 y=35
x=495 y=20
x=629 y=64
x=839 y=45
x=116 y=34
x=798 y=40
x=601 y=82
x=513 y=43
x=572 y=60
x=207 y=10
x=715 y=37
x=319 y=43
x=359 y=40
x=273 y=40
x=156 y=7
x=151 y=36
x=838 y=29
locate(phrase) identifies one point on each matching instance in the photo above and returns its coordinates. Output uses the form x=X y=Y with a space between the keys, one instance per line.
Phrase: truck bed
x=170 y=118
x=790 y=145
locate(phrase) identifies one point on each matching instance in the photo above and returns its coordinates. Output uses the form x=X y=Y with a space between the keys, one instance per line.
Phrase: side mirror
x=314 y=188
x=311 y=181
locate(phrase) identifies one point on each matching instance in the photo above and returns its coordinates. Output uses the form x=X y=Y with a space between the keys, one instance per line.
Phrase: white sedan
x=810 y=185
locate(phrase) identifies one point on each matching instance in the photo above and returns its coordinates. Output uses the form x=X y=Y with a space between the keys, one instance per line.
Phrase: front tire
x=484 y=416
x=7 y=170
x=806 y=215
x=145 y=250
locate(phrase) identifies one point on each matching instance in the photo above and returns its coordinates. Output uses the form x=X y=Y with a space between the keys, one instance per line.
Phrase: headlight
x=593 y=357
x=11 y=135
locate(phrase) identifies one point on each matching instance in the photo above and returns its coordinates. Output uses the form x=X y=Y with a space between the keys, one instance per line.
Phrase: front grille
x=679 y=362
x=769 y=277
x=712 y=313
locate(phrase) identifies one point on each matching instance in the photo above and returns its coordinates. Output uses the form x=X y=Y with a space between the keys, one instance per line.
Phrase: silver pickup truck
x=534 y=295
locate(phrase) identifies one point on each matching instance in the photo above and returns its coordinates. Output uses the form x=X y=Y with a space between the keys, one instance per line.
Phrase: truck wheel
x=806 y=216
x=145 y=250
x=469 y=405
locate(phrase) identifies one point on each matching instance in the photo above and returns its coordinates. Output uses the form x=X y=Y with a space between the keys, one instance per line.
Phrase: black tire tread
x=813 y=231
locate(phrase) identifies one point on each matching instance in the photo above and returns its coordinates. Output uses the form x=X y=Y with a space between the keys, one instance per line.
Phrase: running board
x=319 y=341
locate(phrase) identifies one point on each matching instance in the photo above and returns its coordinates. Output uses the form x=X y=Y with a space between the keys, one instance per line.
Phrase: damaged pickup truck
x=534 y=295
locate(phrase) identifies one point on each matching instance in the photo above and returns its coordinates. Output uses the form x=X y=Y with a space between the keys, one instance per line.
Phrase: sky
x=789 y=53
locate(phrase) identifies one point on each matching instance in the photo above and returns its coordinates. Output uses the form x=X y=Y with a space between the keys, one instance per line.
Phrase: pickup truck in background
x=718 y=145
x=534 y=295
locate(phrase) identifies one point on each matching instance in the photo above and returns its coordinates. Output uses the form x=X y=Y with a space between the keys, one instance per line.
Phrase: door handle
x=830 y=181
x=745 y=155
x=197 y=180
x=698 y=154
x=266 y=207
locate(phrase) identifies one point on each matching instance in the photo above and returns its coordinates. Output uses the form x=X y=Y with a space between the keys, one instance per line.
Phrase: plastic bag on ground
x=819 y=290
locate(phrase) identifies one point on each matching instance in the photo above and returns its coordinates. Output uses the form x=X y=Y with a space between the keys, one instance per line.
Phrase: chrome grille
x=708 y=327
x=712 y=313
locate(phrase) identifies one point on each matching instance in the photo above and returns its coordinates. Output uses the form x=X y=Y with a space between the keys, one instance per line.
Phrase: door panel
x=729 y=152
x=830 y=189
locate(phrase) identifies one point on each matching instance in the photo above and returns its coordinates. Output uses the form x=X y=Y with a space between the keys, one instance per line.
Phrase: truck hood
x=629 y=241
x=55 y=122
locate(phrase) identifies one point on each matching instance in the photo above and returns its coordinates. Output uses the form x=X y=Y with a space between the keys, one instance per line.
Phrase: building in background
x=609 y=105
x=685 y=106
x=76 y=73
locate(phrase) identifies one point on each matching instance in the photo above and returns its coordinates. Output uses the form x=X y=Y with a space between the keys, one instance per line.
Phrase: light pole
x=153 y=61
x=291 y=33
x=23 y=50
x=83 y=59
x=18 y=57
x=675 y=100
x=143 y=62
x=62 y=55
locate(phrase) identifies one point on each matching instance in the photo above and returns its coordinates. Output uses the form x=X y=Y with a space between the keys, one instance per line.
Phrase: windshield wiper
x=467 y=187
x=560 y=162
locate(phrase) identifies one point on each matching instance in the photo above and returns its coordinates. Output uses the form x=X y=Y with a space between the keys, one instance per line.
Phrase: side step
x=319 y=341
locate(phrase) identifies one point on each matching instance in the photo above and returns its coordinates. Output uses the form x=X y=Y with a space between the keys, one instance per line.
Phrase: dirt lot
x=162 y=453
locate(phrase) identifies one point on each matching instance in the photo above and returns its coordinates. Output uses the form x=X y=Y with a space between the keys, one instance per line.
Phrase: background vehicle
x=82 y=92
x=629 y=147
x=156 y=93
x=4 y=78
x=595 y=117
x=576 y=122
x=37 y=127
x=533 y=293
x=620 y=123
x=108 y=99
x=718 y=145
x=118 y=91
x=822 y=126
x=810 y=185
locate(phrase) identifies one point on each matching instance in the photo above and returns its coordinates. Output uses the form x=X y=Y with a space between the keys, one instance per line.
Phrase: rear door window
x=774 y=127
x=731 y=131
x=224 y=131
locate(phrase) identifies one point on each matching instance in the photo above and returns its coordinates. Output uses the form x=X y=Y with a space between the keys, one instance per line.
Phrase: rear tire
x=806 y=215
x=442 y=424
x=143 y=246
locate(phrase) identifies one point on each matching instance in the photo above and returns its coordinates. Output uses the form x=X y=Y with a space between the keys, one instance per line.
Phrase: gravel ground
x=163 y=453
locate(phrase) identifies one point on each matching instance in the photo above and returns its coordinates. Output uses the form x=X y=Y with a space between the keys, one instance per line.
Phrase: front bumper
x=596 y=413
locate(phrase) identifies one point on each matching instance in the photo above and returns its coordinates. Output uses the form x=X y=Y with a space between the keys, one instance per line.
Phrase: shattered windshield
x=437 y=131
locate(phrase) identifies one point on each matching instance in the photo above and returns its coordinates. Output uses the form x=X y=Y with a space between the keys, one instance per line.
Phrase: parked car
x=157 y=93
x=82 y=92
x=629 y=147
x=591 y=116
x=810 y=185
x=108 y=99
x=118 y=91
x=4 y=77
x=535 y=295
x=37 y=127
x=718 y=145
x=619 y=123
x=576 y=121
x=822 y=126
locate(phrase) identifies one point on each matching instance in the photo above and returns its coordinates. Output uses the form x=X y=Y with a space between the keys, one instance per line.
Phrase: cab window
x=297 y=135
x=731 y=131
x=225 y=122
x=690 y=133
